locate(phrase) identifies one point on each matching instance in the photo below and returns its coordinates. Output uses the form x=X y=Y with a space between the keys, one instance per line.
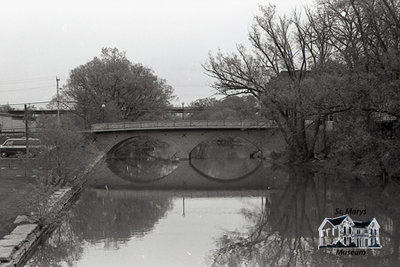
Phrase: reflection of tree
x=143 y=170
x=140 y=147
x=285 y=232
x=389 y=212
x=282 y=232
x=116 y=217
x=225 y=158
x=199 y=152
x=110 y=218
x=141 y=159
x=64 y=246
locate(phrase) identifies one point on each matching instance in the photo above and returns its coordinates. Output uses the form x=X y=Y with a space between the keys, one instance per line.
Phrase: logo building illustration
x=341 y=232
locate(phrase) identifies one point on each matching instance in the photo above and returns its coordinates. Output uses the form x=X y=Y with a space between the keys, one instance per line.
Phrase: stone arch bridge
x=183 y=136
x=180 y=139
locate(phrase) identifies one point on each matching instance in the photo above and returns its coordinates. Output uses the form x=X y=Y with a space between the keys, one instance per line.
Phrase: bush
x=64 y=151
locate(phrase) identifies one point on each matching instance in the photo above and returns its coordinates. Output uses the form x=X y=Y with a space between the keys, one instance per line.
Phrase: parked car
x=14 y=146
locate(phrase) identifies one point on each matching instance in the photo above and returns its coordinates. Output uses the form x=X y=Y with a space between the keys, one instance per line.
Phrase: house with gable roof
x=342 y=231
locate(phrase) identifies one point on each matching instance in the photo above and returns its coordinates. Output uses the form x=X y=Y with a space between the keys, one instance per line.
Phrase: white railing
x=182 y=124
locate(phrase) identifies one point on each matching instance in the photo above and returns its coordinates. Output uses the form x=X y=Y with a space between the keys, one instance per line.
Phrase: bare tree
x=365 y=35
x=286 y=70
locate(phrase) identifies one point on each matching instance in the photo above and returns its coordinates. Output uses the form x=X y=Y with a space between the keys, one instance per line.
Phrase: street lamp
x=103 y=107
x=123 y=111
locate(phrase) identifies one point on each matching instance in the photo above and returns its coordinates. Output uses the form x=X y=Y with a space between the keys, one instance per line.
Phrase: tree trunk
x=295 y=138
x=303 y=137
x=315 y=137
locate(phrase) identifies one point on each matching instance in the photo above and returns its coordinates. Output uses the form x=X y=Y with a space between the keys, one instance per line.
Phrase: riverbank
x=16 y=247
x=379 y=161
x=16 y=192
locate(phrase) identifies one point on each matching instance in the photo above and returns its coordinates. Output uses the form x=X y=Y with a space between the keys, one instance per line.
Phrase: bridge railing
x=183 y=124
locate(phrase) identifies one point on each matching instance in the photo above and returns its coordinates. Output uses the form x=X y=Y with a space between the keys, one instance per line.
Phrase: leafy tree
x=111 y=88
x=204 y=108
x=229 y=108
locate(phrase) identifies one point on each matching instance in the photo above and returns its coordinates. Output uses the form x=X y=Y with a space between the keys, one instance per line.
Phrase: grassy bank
x=25 y=184
x=17 y=190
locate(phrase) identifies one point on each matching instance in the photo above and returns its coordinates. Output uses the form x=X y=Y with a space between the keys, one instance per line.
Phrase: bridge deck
x=179 y=125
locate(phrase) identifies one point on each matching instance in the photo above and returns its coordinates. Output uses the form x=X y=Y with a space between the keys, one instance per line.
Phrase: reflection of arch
x=144 y=163
x=200 y=151
x=225 y=180
x=117 y=146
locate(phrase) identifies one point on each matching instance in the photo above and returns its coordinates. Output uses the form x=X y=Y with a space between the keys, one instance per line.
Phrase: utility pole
x=183 y=110
x=58 y=102
x=26 y=129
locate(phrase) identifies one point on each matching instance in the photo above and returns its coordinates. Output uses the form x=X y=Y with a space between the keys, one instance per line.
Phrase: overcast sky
x=43 y=39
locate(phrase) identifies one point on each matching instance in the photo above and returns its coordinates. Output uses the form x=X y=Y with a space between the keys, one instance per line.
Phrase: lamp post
x=103 y=107
x=123 y=112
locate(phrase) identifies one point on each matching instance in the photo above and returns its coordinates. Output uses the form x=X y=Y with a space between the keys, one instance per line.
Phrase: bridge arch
x=183 y=141
x=178 y=144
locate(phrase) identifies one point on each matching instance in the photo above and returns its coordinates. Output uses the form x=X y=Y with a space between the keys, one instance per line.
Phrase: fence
x=179 y=124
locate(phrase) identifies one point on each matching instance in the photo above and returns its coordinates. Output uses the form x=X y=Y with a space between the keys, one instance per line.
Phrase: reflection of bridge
x=185 y=178
x=173 y=141
x=181 y=125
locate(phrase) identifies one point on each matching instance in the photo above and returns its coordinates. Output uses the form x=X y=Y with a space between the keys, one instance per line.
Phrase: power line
x=38 y=79
x=36 y=102
x=192 y=86
x=22 y=89
x=27 y=103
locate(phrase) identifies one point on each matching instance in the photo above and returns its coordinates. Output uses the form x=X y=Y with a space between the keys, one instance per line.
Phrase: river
x=258 y=214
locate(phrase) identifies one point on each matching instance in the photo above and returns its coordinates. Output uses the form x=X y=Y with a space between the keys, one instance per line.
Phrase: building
x=344 y=232
x=11 y=122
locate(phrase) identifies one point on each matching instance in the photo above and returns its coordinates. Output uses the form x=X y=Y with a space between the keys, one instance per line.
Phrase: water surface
x=222 y=205
x=268 y=227
x=130 y=228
